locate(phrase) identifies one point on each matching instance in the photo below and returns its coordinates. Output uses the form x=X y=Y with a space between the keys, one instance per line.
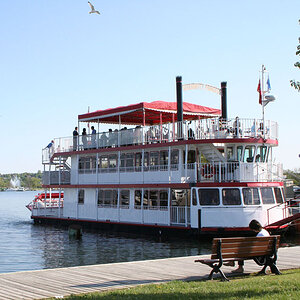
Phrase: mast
x=263 y=97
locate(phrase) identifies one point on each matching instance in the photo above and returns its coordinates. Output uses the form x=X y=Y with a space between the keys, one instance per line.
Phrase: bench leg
x=274 y=269
x=216 y=269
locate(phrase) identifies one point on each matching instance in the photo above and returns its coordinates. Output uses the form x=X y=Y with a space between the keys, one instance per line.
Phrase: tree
x=296 y=84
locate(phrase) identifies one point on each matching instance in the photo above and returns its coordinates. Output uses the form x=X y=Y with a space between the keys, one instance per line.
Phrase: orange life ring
x=207 y=171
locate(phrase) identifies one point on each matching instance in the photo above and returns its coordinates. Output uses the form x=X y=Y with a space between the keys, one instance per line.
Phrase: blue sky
x=57 y=60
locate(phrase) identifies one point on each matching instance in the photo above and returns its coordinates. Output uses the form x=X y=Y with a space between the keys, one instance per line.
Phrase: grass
x=285 y=286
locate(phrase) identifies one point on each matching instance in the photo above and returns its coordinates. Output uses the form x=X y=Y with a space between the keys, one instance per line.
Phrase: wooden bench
x=262 y=249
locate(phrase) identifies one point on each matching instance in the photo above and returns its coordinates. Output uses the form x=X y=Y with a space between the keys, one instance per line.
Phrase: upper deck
x=213 y=129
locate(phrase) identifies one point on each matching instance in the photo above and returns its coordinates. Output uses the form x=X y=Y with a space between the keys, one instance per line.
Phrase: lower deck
x=199 y=209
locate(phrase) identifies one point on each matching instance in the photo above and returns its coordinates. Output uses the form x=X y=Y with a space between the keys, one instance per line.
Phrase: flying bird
x=93 y=11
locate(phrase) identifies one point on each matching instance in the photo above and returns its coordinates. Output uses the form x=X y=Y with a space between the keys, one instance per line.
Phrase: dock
x=96 y=278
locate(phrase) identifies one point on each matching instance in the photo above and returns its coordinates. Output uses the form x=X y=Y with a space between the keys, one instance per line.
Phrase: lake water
x=25 y=246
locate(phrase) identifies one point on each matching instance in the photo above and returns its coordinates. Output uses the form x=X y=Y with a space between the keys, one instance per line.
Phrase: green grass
x=285 y=286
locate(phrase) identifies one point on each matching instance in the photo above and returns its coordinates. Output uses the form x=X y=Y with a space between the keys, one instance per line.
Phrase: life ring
x=207 y=171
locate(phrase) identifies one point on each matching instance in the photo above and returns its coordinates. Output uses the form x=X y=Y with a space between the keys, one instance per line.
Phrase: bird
x=93 y=9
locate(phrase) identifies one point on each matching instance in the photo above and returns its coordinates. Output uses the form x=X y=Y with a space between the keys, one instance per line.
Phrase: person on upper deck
x=75 y=139
x=93 y=137
x=84 y=138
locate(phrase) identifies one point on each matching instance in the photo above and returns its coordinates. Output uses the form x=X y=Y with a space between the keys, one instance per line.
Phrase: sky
x=56 y=60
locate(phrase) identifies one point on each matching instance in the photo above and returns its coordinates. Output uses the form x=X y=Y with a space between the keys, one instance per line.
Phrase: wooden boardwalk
x=65 y=281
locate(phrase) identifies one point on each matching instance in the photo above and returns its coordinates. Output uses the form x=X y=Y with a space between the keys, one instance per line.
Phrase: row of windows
x=151 y=198
x=130 y=161
x=233 y=196
x=181 y=197
x=248 y=153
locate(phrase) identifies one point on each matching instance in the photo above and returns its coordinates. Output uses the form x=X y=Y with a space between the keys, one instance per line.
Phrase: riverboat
x=163 y=168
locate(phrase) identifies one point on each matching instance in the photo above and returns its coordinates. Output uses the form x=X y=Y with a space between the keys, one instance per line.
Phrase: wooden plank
x=66 y=281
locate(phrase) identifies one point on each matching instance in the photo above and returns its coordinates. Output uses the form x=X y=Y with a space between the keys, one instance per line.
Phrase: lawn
x=285 y=286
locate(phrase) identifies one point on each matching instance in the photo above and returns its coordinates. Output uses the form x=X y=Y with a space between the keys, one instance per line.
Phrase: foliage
x=30 y=181
x=286 y=286
x=296 y=84
x=293 y=175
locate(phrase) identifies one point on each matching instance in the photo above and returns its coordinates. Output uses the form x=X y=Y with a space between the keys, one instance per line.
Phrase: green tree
x=296 y=84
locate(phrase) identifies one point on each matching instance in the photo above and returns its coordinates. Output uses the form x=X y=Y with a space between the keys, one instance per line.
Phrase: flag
x=268 y=84
x=259 y=90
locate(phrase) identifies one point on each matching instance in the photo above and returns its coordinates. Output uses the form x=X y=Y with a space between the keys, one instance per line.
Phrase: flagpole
x=263 y=98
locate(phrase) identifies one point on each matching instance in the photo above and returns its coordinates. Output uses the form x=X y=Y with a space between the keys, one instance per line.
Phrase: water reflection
x=60 y=250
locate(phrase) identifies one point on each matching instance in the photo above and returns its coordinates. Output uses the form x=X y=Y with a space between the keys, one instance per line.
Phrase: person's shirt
x=75 y=133
x=94 y=131
x=49 y=145
x=263 y=232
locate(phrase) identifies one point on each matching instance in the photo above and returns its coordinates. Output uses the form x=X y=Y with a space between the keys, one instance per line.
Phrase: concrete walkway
x=65 y=281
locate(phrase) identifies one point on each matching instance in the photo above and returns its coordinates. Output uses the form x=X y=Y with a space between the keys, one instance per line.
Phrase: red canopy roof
x=151 y=113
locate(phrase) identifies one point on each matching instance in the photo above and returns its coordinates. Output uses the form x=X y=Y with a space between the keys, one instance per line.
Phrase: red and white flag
x=259 y=90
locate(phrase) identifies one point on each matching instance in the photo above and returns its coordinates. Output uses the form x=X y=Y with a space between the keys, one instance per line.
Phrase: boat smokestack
x=179 y=99
x=224 y=99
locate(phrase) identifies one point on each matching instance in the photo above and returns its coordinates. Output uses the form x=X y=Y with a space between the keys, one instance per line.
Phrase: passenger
x=84 y=138
x=236 y=127
x=93 y=137
x=191 y=135
x=103 y=140
x=115 y=138
x=75 y=139
x=49 y=146
x=110 y=137
x=137 y=135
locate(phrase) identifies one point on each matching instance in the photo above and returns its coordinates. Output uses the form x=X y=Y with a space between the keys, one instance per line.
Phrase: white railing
x=175 y=173
x=214 y=128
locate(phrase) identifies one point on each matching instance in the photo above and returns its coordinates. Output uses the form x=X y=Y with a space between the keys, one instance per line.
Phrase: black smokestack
x=224 y=99
x=179 y=99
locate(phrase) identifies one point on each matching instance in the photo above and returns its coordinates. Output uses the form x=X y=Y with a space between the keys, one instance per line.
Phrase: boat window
x=278 y=195
x=103 y=163
x=261 y=154
x=127 y=162
x=174 y=159
x=194 y=195
x=154 y=160
x=124 y=198
x=137 y=198
x=231 y=197
x=153 y=199
x=164 y=160
x=81 y=197
x=112 y=162
x=267 y=195
x=239 y=152
x=138 y=162
x=146 y=161
x=191 y=157
x=163 y=198
x=180 y=197
x=146 y=197
x=230 y=153
x=209 y=196
x=251 y=196
x=249 y=154
x=107 y=198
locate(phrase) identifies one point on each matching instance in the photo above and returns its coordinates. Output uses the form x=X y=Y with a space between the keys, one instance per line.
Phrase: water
x=25 y=246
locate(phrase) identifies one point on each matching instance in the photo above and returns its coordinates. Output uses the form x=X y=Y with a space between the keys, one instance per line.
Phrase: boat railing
x=173 y=173
x=289 y=208
x=214 y=128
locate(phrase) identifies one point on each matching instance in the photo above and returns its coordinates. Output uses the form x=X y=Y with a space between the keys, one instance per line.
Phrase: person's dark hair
x=255 y=225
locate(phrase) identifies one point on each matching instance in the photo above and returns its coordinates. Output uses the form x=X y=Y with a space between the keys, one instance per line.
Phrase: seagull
x=93 y=9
